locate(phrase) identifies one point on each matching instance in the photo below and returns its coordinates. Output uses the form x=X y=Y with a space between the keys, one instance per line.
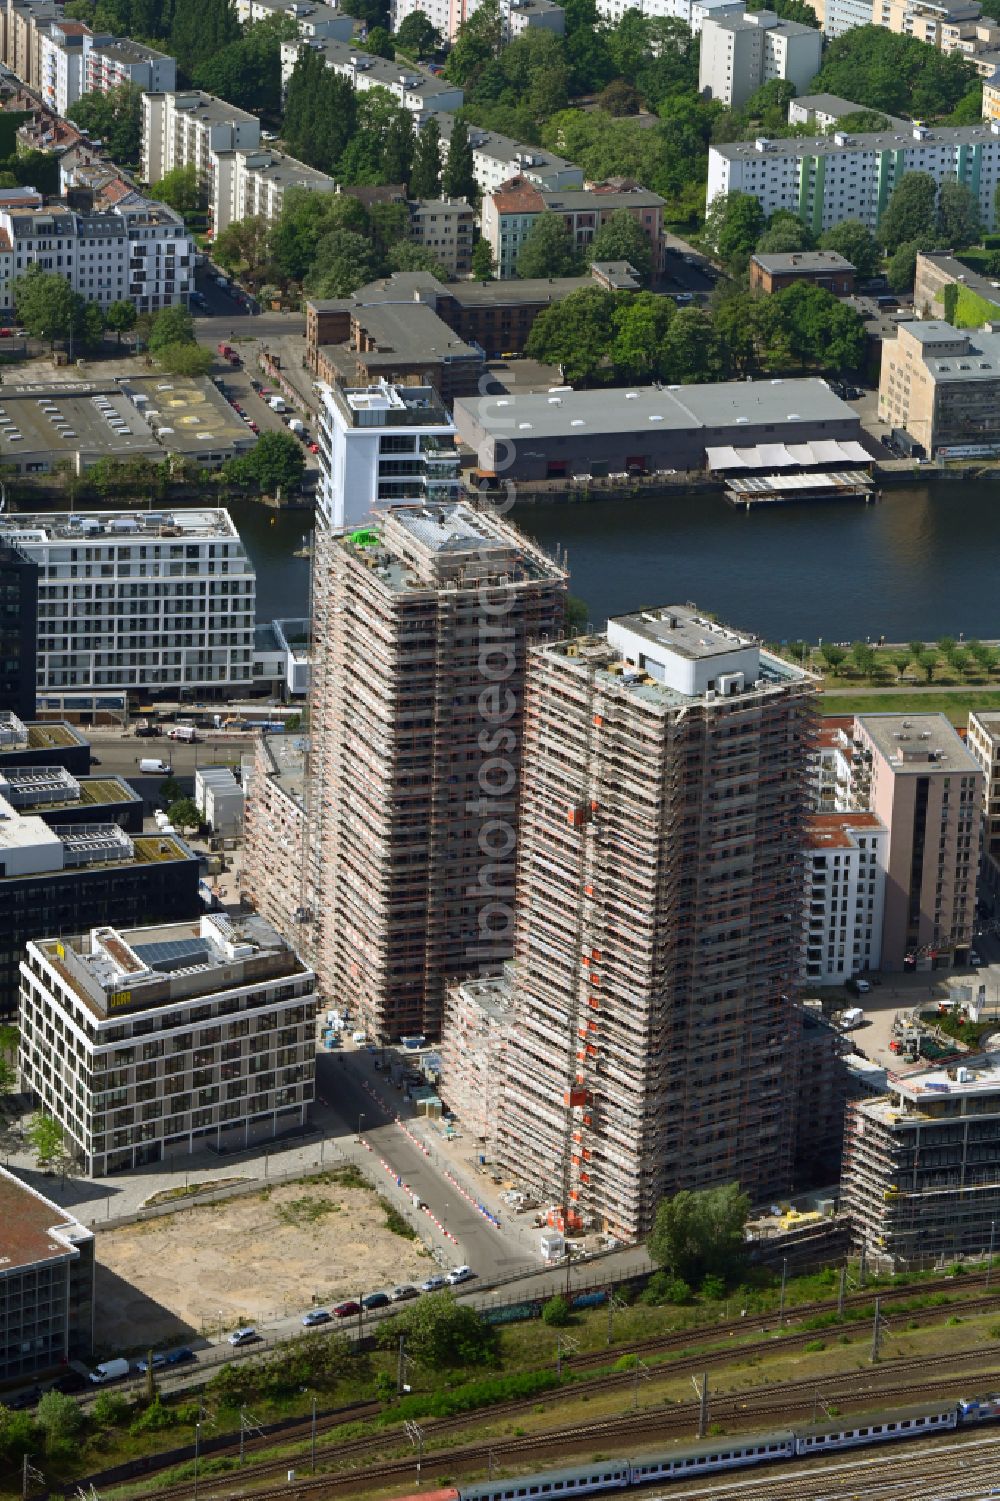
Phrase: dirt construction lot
x=247 y=1260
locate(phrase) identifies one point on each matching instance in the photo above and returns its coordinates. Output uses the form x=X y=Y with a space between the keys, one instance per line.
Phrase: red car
x=345 y=1310
x=314 y=448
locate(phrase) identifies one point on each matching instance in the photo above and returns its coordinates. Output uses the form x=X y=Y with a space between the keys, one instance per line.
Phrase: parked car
x=403 y=1291
x=94 y=760
x=460 y=1274
x=375 y=1300
x=24 y=1399
x=158 y=1362
x=974 y=957
x=347 y=1310
x=70 y=1382
x=181 y=1356
x=244 y=1337
x=315 y=1316
x=857 y=986
x=431 y=1284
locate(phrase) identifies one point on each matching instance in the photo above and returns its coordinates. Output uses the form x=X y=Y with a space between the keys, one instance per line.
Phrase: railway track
x=787 y=1402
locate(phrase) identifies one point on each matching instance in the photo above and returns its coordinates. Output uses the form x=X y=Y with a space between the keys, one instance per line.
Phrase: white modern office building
x=154 y=1042
x=380 y=446
x=139 y=252
x=152 y=601
x=740 y=53
x=831 y=178
x=845 y=863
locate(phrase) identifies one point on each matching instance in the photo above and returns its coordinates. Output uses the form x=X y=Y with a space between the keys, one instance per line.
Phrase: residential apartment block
x=654 y=1040
x=509 y=214
x=146 y=600
x=518 y=16
x=825 y=111
x=941 y=385
x=62 y=57
x=496 y=159
x=274 y=837
x=254 y=181
x=983 y=742
x=740 y=53
x=693 y=13
x=121 y=62
x=47 y=1314
x=477 y=1026
x=832 y=178
x=845 y=860
x=841 y=15
x=921 y=1175
x=139 y=253
x=380 y=446
x=57 y=878
x=415 y=740
x=169 y=1039
x=444 y=227
x=412 y=87
x=915 y=773
x=313 y=20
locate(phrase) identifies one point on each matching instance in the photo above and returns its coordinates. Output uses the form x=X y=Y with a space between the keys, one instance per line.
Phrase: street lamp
x=360 y=1119
x=989 y=1263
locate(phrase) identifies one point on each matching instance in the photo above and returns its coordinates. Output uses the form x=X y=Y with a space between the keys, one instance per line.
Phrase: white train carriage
x=578 y=1480
x=736 y=1452
x=881 y=1427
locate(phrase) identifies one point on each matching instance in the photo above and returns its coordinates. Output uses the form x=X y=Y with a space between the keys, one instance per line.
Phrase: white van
x=109 y=1370
x=154 y=767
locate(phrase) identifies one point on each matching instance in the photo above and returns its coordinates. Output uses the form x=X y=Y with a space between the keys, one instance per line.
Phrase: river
x=923 y=563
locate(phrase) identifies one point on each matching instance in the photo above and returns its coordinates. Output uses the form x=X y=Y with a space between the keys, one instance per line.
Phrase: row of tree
x=597 y=336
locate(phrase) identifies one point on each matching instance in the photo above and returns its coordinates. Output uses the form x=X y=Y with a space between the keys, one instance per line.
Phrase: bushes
x=556 y=1312
x=663 y=1288
x=473 y=1395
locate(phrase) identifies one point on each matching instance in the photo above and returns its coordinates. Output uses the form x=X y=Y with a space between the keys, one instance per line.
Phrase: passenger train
x=734 y=1452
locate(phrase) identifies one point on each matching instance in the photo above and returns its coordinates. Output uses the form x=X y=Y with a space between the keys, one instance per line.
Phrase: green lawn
x=955 y=705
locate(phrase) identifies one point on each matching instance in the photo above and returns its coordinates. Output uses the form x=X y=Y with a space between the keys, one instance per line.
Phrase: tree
x=640 y=325
x=820 y=329
x=184 y=814
x=863 y=658
x=622 y=239
x=88 y=324
x=700 y=1232
x=548 y=249
x=897 y=74
x=556 y=1312
x=379 y=43
x=574 y=334
x=833 y=655
x=243 y=245
x=911 y=212
x=171 y=790
x=321 y=112
x=8 y=1077
x=180 y=189
x=45 y=1136
x=959 y=222
x=45 y=304
x=275 y=463
x=902 y=268
x=785 y=234
x=927 y=662
x=733 y=225
x=115 y=117
x=441 y=1333
x=405 y=256
x=61 y=1419
x=200 y=30
x=484 y=265
x=306 y=219
x=343 y=262
x=692 y=351
x=855 y=242
x=459 y=179
x=121 y=318
x=417 y=36
x=620 y=98
x=901 y=661
x=171 y=325
x=185 y=359
x=479 y=41
x=425 y=174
